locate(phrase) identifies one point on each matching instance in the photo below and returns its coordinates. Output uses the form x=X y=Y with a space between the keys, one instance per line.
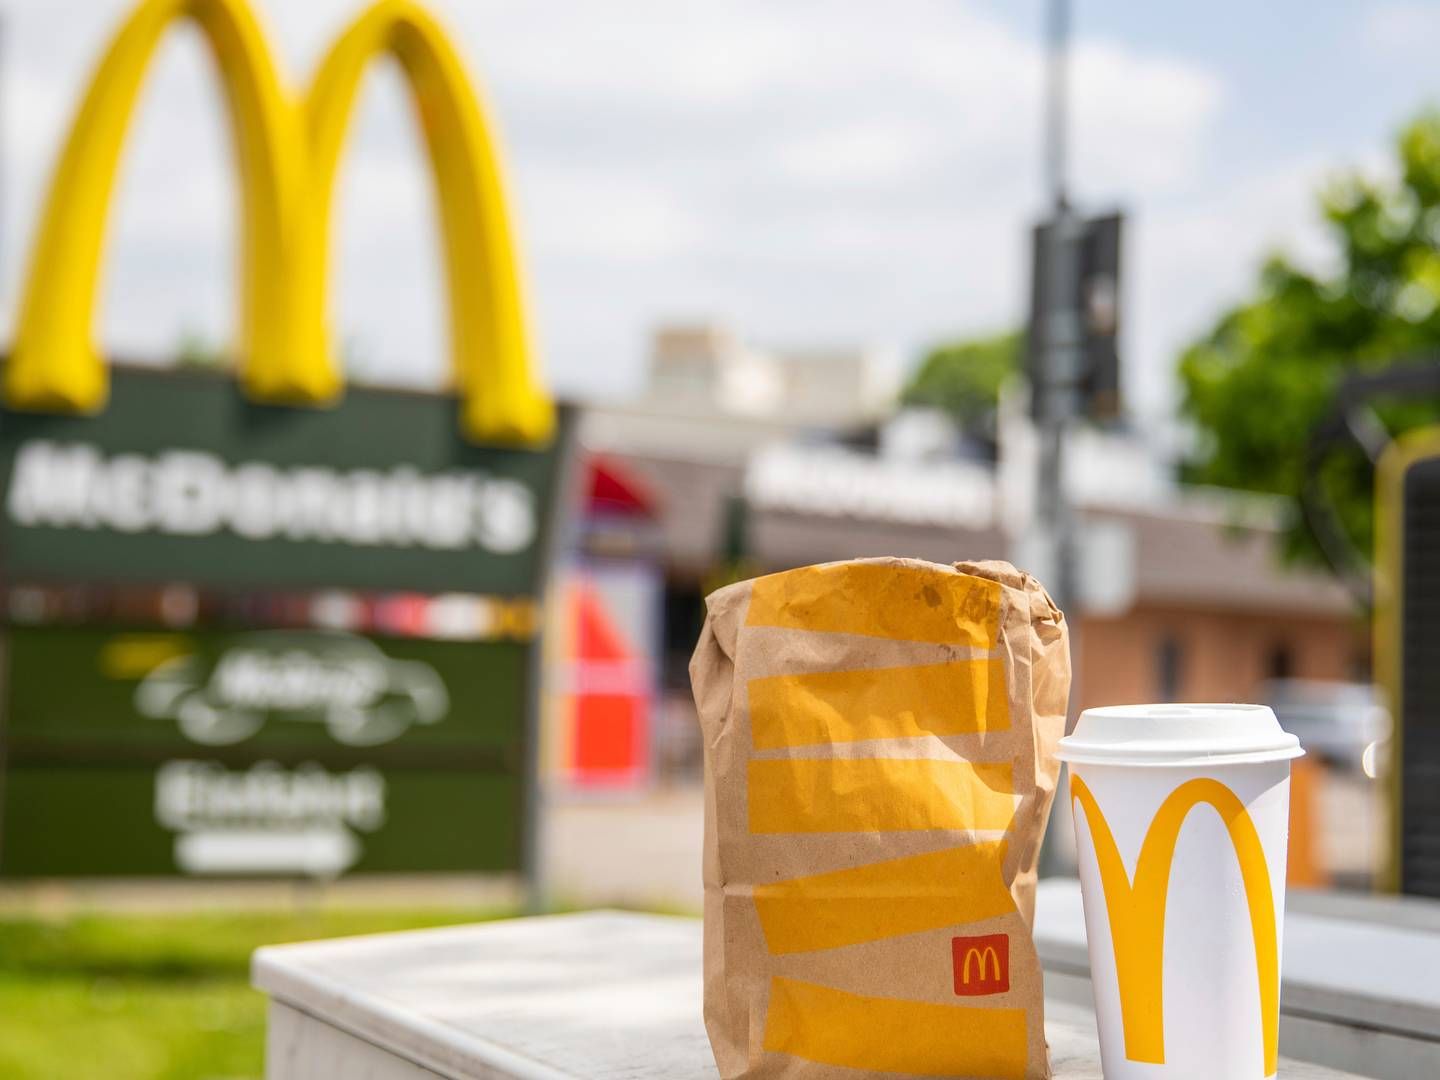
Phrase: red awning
x=612 y=490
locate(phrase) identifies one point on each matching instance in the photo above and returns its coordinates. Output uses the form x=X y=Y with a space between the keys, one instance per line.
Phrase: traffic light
x=1089 y=250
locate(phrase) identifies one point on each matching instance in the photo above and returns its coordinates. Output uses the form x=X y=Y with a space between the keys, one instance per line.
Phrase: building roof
x=1189 y=552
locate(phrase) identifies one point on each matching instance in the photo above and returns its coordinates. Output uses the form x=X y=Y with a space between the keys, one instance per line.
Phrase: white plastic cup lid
x=1178 y=735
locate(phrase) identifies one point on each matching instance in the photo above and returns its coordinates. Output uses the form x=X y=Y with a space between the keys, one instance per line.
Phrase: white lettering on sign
x=193 y=493
x=267 y=819
x=200 y=794
x=361 y=695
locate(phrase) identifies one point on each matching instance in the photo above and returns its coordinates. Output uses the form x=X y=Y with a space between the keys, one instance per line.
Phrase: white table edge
x=287 y=974
x=399 y=1031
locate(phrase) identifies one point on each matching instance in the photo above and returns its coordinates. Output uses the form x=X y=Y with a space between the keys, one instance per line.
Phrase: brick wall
x=1210 y=656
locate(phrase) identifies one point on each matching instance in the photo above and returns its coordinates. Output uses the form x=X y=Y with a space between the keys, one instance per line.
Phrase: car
x=1341 y=723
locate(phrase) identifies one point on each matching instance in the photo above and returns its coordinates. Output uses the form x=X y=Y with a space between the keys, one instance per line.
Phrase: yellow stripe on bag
x=832 y=795
x=885 y=899
x=880 y=600
x=889 y=1035
x=960 y=698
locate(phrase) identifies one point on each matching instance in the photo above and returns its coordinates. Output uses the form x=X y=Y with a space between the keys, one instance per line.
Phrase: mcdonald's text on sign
x=187 y=492
x=181 y=478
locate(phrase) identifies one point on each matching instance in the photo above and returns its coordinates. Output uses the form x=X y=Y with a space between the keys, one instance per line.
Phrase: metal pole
x=1057 y=63
x=1060 y=365
x=554 y=542
x=1062 y=357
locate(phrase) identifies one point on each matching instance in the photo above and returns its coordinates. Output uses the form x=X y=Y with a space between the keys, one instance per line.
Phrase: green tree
x=1256 y=385
x=198 y=351
x=963 y=378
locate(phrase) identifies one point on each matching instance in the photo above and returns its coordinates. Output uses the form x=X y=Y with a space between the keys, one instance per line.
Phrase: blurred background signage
x=245 y=637
x=216 y=750
x=250 y=639
x=287 y=172
x=181 y=477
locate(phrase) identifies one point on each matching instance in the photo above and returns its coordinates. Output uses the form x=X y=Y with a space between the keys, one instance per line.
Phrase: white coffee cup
x=1181 y=823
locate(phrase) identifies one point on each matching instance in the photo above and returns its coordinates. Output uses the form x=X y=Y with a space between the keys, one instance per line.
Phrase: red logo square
x=982 y=964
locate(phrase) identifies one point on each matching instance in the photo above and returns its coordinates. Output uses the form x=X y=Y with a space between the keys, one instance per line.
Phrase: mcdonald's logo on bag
x=288 y=150
x=1136 y=911
x=982 y=964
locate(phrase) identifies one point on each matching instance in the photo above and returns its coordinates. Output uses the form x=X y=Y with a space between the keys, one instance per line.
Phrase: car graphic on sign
x=346 y=683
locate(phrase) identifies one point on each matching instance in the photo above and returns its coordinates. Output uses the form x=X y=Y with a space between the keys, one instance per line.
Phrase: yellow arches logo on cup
x=288 y=151
x=1136 y=911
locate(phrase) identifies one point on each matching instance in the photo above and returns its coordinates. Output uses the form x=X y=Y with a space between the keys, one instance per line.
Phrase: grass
x=153 y=997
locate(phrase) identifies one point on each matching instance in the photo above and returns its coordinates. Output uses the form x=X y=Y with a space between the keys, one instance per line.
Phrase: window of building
x=1280 y=663
x=1361 y=668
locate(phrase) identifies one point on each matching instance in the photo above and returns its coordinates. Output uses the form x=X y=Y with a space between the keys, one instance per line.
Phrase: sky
x=809 y=172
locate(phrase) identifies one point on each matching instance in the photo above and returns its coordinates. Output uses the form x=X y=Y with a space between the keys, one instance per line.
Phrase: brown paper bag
x=879 y=763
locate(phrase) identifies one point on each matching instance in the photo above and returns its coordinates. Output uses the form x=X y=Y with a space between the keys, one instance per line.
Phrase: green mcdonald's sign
x=246 y=639
x=270 y=624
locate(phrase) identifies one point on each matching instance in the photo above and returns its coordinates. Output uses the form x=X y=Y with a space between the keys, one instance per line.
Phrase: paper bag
x=879 y=764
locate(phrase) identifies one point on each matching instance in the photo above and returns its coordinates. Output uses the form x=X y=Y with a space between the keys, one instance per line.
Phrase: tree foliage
x=1257 y=384
x=963 y=378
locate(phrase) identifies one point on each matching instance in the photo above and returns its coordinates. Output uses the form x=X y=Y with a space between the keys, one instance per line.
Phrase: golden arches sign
x=288 y=152
x=1136 y=911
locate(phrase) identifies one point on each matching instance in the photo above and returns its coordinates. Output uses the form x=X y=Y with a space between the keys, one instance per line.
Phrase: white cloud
x=1401 y=27
x=601 y=216
x=1140 y=121
x=1195 y=256
x=1202 y=254
x=863 y=153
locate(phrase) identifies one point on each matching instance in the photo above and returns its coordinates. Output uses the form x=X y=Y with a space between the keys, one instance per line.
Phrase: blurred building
x=718 y=397
x=706 y=370
x=758 y=461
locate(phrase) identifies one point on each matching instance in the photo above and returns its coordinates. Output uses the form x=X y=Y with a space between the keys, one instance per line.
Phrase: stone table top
x=593 y=996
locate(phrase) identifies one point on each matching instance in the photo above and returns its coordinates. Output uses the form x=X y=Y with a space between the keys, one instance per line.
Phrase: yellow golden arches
x=287 y=161
x=1137 y=911
x=488 y=330
x=54 y=363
